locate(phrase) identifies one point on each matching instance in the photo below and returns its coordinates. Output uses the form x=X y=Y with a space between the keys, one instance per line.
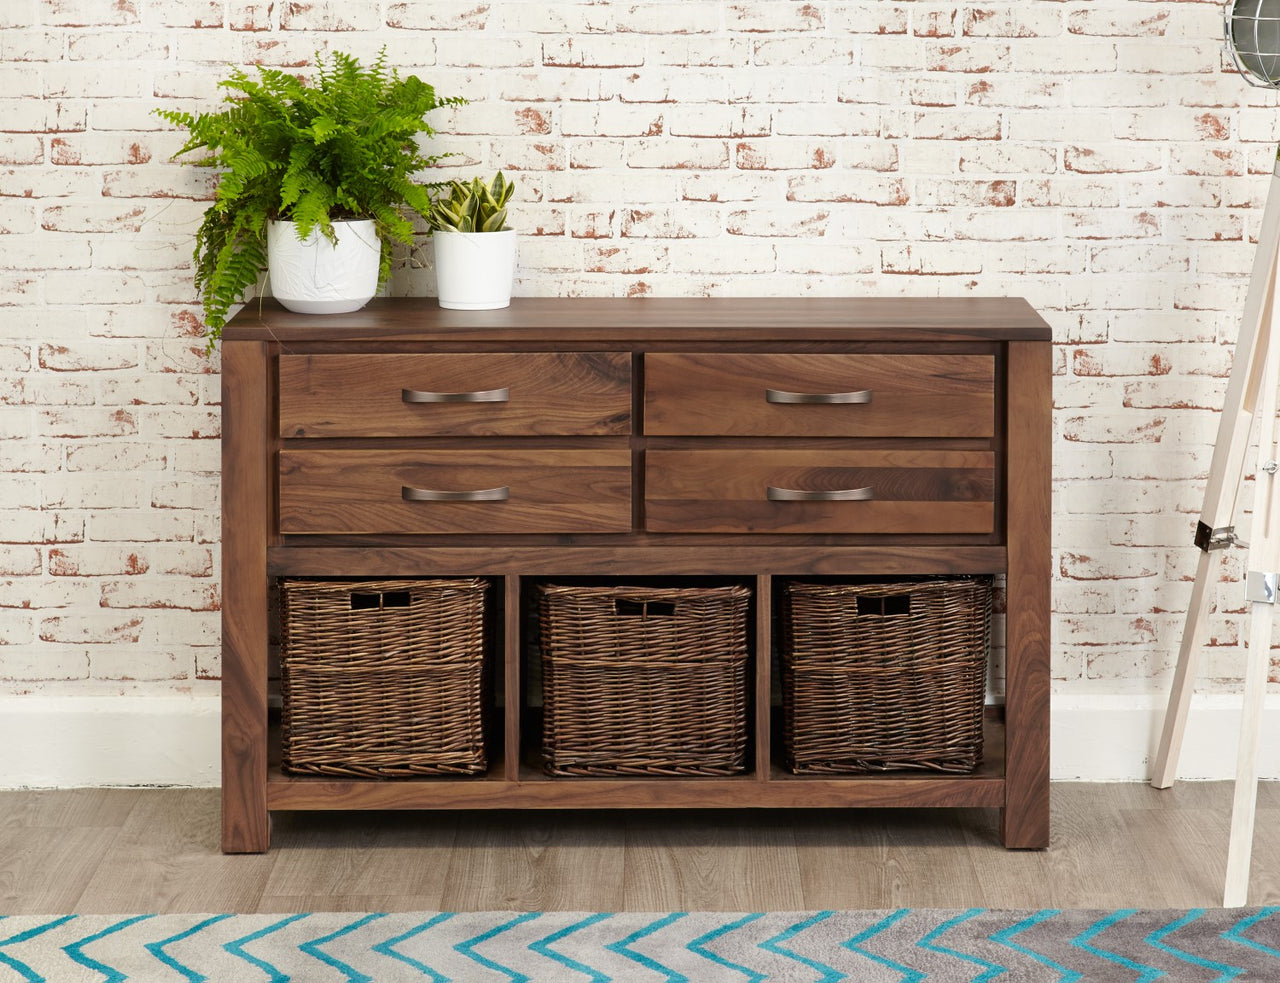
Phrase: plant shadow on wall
x=326 y=157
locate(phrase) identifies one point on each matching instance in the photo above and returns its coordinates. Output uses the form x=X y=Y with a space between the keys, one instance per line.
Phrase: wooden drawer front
x=459 y=394
x=926 y=491
x=363 y=491
x=765 y=394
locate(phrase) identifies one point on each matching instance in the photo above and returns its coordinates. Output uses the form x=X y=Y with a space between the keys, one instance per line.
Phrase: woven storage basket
x=383 y=679
x=644 y=680
x=878 y=677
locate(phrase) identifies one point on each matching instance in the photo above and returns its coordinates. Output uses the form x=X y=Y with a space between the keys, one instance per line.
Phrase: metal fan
x=1252 y=29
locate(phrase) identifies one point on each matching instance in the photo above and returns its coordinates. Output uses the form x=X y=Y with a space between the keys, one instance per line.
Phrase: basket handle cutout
x=388 y=599
x=885 y=606
x=644 y=609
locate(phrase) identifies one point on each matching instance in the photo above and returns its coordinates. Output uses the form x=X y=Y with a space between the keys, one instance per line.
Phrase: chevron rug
x=939 y=946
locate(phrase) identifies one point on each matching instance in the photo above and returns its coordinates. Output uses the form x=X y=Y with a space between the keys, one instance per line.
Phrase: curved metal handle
x=782 y=396
x=480 y=396
x=835 y=495
x=432 y=495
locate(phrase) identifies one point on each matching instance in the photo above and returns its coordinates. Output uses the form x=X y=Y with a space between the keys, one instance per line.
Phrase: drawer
x=884 y=491
x=471 y=394
x=454 y=491
x=820 y=395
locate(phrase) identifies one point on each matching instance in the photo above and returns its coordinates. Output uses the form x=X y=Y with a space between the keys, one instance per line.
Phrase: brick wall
x=1095 y=156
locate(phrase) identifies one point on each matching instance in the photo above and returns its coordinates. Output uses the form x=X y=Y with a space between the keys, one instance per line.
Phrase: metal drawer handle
x=836 y=495
x=782 y=396
x=432 y=495
x=480 y=396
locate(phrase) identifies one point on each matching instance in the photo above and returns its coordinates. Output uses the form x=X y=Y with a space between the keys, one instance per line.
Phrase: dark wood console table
x=635 y=438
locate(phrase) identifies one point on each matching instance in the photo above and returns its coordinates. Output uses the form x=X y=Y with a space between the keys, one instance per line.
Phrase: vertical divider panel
x=764 y=684
x=512 y=648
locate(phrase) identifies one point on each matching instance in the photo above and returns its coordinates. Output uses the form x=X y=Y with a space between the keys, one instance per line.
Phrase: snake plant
x=474 y=207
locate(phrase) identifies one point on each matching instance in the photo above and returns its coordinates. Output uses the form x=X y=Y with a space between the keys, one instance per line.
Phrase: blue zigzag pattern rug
x=935 y=945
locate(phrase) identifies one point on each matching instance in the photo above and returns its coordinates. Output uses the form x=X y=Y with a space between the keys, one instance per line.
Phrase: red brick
x=92 y=629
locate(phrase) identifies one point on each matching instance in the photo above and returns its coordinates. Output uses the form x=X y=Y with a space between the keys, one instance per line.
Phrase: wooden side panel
x=1025 y=821
x=362 y=395
x=908 y=395
x=361 y=491
x=246 y=504
x=925 y=491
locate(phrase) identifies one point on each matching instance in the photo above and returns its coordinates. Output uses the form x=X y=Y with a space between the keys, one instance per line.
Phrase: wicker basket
x=644 y=680
x=878 y=677
x=383 y=679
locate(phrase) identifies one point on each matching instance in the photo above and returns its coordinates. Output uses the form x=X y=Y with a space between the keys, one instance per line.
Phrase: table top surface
x=645 y=320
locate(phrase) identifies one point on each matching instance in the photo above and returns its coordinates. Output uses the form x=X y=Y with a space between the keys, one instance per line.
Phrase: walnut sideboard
x=663 y=438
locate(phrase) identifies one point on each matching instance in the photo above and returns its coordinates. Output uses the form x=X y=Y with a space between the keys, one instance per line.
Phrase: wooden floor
x=156 y=850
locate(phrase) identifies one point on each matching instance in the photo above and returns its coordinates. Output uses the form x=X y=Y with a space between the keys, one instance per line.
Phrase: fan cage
x=1251 y=29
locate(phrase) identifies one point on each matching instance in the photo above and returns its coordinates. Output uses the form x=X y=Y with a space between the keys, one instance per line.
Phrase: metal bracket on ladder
x=1216 y=539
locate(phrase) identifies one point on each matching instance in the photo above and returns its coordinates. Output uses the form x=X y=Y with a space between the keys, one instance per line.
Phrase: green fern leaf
x=345 y=145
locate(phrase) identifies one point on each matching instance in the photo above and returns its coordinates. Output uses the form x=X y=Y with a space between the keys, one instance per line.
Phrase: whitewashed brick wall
x=1095 y=156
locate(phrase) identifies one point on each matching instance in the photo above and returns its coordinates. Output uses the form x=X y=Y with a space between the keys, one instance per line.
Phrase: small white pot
x=475 y=270
x=319 y=277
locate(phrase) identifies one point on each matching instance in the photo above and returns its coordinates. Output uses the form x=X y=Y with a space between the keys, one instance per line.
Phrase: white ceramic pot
x=318 y=277
x=475 y=270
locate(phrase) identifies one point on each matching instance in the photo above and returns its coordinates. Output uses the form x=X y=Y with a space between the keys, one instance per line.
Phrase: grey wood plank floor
x=156 y=850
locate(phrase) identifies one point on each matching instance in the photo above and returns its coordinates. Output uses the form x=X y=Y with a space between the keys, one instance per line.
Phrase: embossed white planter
x=475 y=270
x=319 y=277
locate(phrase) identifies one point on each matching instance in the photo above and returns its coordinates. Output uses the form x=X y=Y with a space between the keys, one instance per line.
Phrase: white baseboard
x=74 y=742
x=50 y=742
x=1114 y=738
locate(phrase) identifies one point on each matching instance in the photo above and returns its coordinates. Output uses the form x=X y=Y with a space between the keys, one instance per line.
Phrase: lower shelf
x=531 y=789
x=738 y=793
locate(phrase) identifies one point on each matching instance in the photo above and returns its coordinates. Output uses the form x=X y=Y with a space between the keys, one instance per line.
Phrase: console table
x=656 y=437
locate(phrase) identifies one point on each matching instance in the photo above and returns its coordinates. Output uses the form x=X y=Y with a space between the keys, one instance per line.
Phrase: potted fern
x=326 y=165
x=475 y=248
